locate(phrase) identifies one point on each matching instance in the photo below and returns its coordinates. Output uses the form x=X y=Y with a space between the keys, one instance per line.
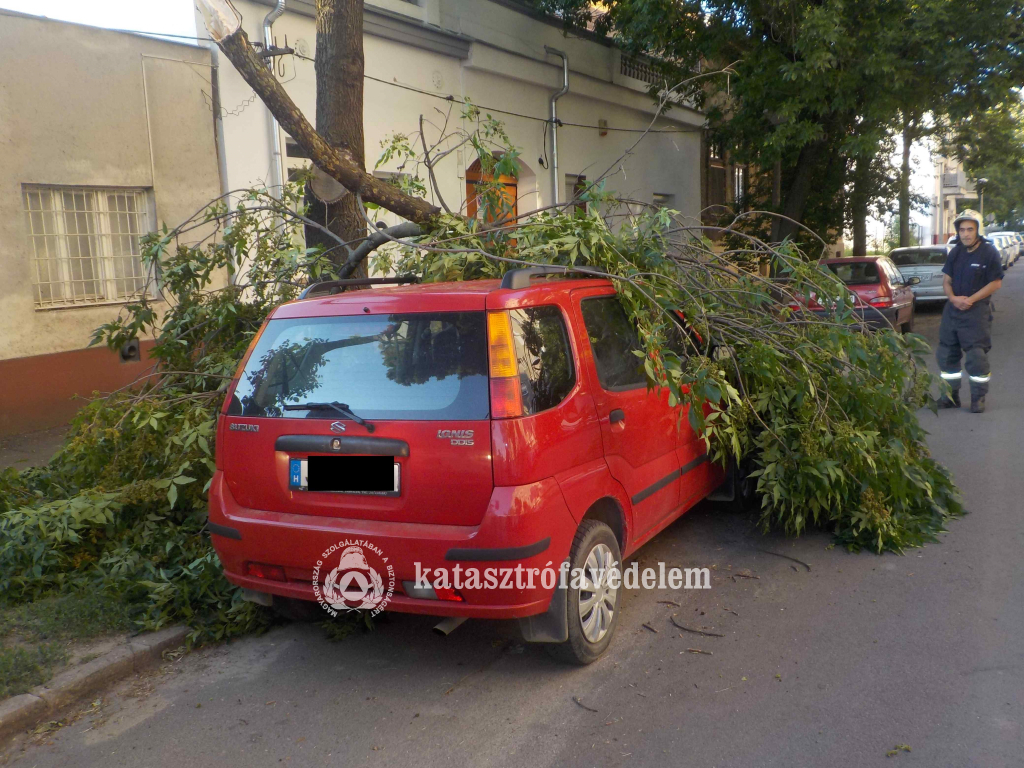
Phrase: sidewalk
x=32 y=449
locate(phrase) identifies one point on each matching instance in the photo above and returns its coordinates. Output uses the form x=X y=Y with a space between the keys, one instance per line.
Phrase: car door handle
x=616 y=417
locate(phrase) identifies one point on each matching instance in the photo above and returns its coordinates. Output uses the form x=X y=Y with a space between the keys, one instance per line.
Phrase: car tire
x=303 y=611
x=592 y=626
x=744 y=489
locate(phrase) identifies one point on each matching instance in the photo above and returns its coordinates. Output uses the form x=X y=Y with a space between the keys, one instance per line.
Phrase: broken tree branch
x=375 y=241
x=337 y=163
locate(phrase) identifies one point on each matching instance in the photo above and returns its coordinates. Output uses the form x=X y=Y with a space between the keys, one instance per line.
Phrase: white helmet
x=969 y=215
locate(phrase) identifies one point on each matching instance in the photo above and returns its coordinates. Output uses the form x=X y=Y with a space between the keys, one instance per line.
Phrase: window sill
x=91 y=304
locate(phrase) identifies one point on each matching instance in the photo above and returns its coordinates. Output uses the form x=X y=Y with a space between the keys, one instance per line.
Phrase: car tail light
x=448 y=593
x=881 y=301
x=506 y=394
x=264 y=571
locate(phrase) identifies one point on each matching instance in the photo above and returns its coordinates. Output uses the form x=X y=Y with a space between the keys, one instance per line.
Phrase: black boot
x=954 y=402
x=978 y=404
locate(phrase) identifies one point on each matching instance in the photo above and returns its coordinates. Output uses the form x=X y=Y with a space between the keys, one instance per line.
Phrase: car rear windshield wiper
x=341 y=408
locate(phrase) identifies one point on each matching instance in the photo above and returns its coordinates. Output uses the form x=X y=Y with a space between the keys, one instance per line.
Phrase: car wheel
x=593 y=605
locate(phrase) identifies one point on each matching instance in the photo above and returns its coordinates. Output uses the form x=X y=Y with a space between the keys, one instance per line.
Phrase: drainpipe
x=556 y=184
x=276 y=181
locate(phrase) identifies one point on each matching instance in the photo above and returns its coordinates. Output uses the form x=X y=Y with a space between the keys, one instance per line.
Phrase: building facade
x=104 y=136
x=424 y=58
x=951 y=186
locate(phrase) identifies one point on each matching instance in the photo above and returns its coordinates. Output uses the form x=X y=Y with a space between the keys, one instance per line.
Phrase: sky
x=172 y=17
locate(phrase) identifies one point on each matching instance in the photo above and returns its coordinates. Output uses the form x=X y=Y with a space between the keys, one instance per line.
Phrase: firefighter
x=973 y=272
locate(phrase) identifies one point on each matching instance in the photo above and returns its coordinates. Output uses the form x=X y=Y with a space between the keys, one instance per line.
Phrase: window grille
x=86 y=244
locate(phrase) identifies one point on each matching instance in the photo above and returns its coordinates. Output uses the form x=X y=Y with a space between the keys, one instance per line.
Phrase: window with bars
x=85 y=244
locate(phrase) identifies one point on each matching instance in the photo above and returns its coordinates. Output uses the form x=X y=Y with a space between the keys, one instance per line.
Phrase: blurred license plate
x=364 y=475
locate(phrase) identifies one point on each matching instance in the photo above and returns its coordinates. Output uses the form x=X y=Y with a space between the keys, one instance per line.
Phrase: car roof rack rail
x=517 y=279
x=336 y=286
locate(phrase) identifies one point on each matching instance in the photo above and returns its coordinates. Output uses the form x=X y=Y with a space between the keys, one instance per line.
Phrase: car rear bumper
x=528 y=527
x=928 y=294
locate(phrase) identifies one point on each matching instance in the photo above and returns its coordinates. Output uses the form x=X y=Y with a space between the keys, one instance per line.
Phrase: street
x=826 y=658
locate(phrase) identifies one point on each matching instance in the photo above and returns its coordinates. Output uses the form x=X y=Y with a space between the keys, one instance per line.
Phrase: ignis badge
x=456 y=436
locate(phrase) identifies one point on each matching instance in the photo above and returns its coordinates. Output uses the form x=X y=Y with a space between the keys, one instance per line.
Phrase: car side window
x=546 y=371
x=613 y=341
x=895 y=276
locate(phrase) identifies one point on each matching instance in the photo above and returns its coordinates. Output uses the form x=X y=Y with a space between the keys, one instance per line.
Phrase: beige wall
x=73 y=111
x=506 y=68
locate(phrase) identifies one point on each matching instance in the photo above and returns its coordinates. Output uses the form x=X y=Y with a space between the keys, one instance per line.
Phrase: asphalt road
x=833 y=666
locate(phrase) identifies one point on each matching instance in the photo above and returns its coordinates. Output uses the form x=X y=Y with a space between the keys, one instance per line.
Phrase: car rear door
x=638 y=427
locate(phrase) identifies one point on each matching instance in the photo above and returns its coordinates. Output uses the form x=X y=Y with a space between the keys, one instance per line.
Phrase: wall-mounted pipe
x=274 y=131
x=556 y=182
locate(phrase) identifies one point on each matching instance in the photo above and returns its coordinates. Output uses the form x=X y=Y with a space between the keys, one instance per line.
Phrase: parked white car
x=1015 y=242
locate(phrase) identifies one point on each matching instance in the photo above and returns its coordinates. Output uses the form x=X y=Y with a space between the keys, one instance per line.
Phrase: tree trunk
x=339 y=116
x=796 y=195
x=777 y=185
x=859 y=205
x=908 y=140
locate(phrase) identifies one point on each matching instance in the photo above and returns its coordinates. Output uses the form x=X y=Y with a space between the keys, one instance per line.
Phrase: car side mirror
x=913 y=280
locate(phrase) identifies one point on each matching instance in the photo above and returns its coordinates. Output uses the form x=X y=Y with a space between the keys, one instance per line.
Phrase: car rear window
x=856 y=272
x=420 y=366
x=546 y=370
x=919 y=256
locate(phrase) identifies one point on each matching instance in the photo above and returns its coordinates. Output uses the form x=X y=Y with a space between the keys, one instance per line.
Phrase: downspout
x=555 y=180
x=218 y=123
x=276 y=181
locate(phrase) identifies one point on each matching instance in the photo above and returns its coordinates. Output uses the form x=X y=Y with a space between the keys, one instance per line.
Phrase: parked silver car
x=924 y=262
x=1015 y=244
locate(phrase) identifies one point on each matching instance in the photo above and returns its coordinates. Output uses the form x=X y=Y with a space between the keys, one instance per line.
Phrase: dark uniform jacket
x=972 y=271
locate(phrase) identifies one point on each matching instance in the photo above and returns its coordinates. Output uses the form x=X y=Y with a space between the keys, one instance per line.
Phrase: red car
x=883 y=296
x=457 y=426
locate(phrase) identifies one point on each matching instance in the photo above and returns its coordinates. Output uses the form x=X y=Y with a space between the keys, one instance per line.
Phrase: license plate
x=362 y=475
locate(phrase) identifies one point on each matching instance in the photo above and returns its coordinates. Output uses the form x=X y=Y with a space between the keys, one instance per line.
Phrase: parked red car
x=473 y=424
x=883 y=296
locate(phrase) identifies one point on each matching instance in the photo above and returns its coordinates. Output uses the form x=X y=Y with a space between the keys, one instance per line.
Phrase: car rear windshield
x=918 y=256
x=403 y=366
x=856 y=272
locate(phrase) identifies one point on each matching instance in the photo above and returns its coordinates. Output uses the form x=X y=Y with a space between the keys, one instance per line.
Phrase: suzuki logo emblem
x=337 y=427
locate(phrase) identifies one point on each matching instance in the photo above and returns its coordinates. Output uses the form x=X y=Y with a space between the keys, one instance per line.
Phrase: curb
x=21 y=712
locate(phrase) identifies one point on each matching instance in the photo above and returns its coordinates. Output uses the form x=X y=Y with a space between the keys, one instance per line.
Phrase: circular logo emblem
x=362 y=580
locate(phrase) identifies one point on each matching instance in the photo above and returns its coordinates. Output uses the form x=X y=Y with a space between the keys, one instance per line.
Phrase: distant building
x=105 y=136
x=951 y=186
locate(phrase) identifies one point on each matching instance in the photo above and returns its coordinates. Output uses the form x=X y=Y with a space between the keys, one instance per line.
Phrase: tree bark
x=337 y=163
x=777 y=184
x=796 y=195
x=908 y=140
x=339 y=116
x=859 y=205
